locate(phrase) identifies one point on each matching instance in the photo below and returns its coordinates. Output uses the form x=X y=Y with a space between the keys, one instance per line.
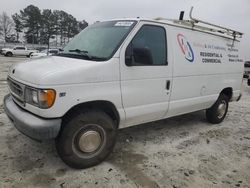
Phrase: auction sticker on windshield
x=123 y=24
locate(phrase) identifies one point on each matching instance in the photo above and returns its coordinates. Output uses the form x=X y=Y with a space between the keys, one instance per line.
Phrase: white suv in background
x=17 y=51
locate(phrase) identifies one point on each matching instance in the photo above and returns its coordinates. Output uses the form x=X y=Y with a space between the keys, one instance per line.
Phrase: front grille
x=17 y=90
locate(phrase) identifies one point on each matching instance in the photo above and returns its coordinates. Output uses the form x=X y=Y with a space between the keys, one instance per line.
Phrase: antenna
x=181 y=15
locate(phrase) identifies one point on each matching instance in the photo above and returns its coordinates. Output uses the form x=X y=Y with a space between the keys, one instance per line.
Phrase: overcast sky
x=230 y=13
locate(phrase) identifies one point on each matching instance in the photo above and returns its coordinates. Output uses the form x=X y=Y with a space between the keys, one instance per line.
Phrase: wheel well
x=105 y=106
x=228 y=92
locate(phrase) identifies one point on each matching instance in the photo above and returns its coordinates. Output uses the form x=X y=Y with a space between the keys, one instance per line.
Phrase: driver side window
x=148 y=47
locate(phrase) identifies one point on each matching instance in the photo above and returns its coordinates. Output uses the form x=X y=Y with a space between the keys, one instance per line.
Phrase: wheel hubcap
x=222 y=109
x=89 y=141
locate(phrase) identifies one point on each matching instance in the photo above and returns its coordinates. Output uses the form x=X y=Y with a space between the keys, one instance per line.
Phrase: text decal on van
x=185 y=47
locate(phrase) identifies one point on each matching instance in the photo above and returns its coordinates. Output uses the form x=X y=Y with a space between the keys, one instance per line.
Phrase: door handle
x=167 y=84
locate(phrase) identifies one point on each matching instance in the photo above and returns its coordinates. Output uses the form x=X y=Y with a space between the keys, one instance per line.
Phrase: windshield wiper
x=82 y=52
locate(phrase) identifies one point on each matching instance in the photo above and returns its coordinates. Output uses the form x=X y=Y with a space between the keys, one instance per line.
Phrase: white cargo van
x=120 y=73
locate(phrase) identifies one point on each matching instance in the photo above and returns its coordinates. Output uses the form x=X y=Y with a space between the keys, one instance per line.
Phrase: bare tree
x=18 y=25
x=6 y=25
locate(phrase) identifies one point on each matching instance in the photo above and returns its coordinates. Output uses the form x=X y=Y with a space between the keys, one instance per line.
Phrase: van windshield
x=98 y=41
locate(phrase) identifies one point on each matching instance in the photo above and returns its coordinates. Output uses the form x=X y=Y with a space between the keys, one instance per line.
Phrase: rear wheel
x=29 y=54
x=218 y=111
x=86 y=139
x=246 y=76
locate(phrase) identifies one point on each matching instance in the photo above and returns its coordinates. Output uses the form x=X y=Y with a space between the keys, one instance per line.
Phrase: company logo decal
x=185 y=47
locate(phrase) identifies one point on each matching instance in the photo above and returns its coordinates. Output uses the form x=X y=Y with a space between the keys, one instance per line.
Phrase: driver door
x=146 y=74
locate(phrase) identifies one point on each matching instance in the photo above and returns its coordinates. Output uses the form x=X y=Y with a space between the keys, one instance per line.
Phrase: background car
x=17 y=51
x=247 y=69
x=45 y=53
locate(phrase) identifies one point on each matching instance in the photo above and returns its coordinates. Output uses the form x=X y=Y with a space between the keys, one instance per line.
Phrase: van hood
x=56 y=70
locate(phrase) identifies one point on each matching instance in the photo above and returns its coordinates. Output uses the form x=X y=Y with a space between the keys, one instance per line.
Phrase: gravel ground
x=183 y=151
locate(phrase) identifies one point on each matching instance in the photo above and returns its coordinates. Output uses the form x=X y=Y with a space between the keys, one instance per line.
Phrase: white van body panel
x=196 y=84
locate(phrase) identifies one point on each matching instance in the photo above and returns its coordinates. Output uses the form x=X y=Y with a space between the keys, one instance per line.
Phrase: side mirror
x=129 y=55
x=138 y=56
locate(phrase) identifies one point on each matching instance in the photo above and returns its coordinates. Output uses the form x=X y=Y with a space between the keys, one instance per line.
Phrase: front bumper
x=31 y=125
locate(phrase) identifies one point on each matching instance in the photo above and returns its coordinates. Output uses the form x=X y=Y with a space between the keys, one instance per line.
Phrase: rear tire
x=29 y=54
x=218 y=111
x=86 y=139
x=245 y=76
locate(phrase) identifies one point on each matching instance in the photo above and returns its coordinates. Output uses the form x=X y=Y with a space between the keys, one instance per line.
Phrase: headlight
x=42 y=98
x=31 y=96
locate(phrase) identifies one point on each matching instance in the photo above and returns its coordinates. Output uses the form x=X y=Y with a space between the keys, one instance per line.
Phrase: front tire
x=86 y=139
x=218 y=111
x=9 y=54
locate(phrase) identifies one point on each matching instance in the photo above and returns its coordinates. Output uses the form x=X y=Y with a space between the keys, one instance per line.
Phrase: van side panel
x=204 y=65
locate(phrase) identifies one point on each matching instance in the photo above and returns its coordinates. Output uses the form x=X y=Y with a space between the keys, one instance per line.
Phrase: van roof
x=193 y=24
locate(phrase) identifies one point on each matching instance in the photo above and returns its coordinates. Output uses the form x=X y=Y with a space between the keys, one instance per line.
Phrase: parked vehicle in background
x=120 y=73
x=247 y=69
x=41 y=48
x=17 y=51
x=44 y=53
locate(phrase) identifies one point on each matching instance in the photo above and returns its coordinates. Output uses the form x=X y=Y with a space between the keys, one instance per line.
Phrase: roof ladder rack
x=228 y=31
x=193 y=23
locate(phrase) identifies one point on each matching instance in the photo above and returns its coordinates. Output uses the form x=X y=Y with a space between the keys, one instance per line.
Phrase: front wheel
x=9 y=54
x=218 y=111
x=86 y=139
x=29 y=54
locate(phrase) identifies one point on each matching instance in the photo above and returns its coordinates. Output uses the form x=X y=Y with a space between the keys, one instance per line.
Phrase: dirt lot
x=184 y=151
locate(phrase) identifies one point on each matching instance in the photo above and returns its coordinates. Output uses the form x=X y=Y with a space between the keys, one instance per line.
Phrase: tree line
x=40 y=26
